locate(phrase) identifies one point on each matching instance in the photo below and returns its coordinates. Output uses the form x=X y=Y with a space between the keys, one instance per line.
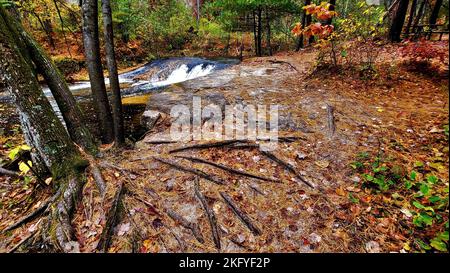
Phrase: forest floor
x=396 y=119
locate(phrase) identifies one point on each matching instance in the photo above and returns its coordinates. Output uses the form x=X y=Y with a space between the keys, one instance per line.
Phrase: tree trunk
x=412 y=12
x=92 y=52
x=70 y=110
x=255 y=34
x=45 y=134
x=435 y=12
x=259 y=32
x=300 y=42
x=395 y=30
x=269 y=46
x=119 y=136
x=332 y=8
x=309 y=21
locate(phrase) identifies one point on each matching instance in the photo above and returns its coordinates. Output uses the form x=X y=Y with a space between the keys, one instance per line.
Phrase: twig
x=283 y=62
x=241 y=215
x=228 y=169
x=185 y=223
x=199 y=173
x=287 y=166
x=24 y=240
x=210 y=213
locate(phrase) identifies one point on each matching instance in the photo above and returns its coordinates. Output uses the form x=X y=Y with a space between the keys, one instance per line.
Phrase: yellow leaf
x=48 y=181
x=24 y=167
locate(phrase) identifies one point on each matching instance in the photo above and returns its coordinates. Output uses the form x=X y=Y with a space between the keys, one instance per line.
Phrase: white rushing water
x=181 y=74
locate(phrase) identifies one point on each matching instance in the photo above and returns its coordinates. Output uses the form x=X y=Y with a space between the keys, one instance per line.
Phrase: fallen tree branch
x=199 y=173
x=24 y=240
x=186 y=224
x=283 y=62
x=228 y=169
x=206 y=145
x=210 y=213
x=8 y=172
x=240 y=214
x=29 y=217
x=287 y=166
x=98 y=178
x=111 y=218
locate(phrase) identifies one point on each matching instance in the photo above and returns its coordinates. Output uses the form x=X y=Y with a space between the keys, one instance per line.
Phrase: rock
x=314 y=238
x=373 y=247
x=301 y=155
x=150 y=118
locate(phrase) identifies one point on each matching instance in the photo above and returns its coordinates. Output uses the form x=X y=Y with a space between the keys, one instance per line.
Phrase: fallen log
x=228 y=169
x=199 y=173
x=210 y=213
x=240 y=214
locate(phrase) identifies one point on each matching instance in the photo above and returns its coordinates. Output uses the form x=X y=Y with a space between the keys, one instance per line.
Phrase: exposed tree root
x=206 y=145
x=98 y=178
x=111 y=218
x=210 y=213
x=193 y=227
x=240 y=214
x=287 y=166
x=8 y=172
x=197 y=172
x=29 y=217
x=229 y=169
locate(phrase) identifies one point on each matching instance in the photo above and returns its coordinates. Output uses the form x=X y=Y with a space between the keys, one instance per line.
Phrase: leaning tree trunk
x=46 y=135
x=92 y=52
x=412 y=12
x=395 y=30
x=70 y=110
x=435 y=13
x=119 y=136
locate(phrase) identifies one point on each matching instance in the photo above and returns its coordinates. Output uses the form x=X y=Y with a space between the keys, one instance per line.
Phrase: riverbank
x=396 y=119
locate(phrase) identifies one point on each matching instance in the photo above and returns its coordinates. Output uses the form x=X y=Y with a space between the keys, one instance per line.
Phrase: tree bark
x=435 y=12
x=70 y=110
x=395 y=30
x=92 y=52
x=45 y=134
x=412 y=12
x=269 y=46
x=300 y=42
x=119 y=136
x=259 y=32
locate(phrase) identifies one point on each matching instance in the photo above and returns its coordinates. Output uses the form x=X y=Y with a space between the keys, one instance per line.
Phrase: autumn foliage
x=322 y=13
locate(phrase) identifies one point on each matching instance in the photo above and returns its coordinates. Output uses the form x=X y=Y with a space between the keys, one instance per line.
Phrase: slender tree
x=332 y=8
x=119 y=137
x=435 y=12
x=412 y=12
x=70 y=110
x=300 y=42
x=45 y=134
x=92 y=52
x=396 y=27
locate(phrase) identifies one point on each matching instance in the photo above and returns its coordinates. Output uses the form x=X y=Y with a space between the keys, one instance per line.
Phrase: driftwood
x=210 y=213
x=199 y=173
x=287 y=166
x=331 y=122
x=8 y=172
x=29 y=217
x=228 y=169
x=186 y=224
x=111 y=217
x=240 y=214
